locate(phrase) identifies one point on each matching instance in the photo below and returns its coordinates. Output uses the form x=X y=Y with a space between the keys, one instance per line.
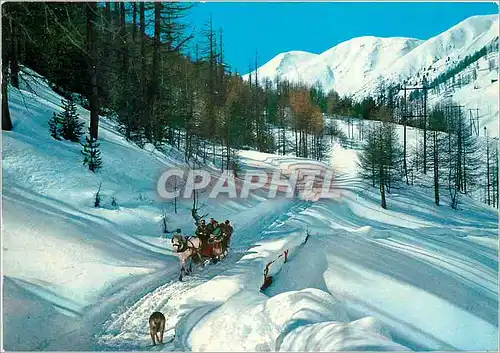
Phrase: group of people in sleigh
x=214 y=234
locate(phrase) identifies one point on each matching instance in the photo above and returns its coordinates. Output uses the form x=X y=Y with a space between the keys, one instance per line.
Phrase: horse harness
x=184 y=244
x=188 y=240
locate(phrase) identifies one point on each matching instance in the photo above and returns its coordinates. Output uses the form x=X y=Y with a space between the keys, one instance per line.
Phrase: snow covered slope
x=66 y=263
x=439 y=53
x=480 y=97
x=357 y=277
x=358 y=61
x=285 y=65
x=348 y=65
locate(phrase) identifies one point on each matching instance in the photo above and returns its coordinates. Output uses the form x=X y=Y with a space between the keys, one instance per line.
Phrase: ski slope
x=413 y=277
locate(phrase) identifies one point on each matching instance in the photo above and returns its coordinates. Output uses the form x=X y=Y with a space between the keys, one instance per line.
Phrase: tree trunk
x=92 y=56
x=388 y=185
x=175 y=198
x=213 y=151
x=283 y=130
x=145 y=119
x=123 y=36
x=382 y=191
x=156 y=132
x=459 y=157
x=436 y=170
x=124 y=109
x=134 y=21
x=204 y=151
x=156 y=49
x=228 y=142
x=142 y=25
x=496 y=172
x=465 y=169
x=296 y=143
x=405 y=165
x=14 y=53
x=425 y=131
x=373 y=172
x=450 y=166
x=301 y=144
x=488 y=167
x=6 y=121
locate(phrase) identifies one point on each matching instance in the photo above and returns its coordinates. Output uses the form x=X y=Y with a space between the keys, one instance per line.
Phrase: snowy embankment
x=415 y=276
x=68 y=266
x=234 y=316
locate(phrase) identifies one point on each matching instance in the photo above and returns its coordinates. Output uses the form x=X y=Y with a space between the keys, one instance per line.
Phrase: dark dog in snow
x=157 y=324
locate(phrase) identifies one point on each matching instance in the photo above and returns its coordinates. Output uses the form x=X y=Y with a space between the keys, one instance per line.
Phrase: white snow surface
x=413 y=277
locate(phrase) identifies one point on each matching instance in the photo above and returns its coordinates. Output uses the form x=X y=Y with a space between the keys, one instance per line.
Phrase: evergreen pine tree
x=92 y=153
x=55 y=126
x=71 y=126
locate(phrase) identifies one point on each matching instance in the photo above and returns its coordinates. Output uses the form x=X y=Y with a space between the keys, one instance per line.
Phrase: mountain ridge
x=356 y=66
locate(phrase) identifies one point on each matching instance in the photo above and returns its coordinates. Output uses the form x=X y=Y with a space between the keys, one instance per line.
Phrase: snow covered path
x=399 y=266
x=129 y=330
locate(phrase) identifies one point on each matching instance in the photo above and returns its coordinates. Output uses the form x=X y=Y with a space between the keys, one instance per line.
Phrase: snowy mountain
x=358 y=66
x=439 y=53
x=286 y=65
x=358 y=60
x=357 y=277
x=343 y=68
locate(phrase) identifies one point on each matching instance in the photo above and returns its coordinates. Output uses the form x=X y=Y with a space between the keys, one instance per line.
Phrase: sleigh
x=214 y=249
x=191 y=249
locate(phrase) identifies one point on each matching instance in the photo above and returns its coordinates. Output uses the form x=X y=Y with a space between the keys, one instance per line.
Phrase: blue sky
x=272 y=28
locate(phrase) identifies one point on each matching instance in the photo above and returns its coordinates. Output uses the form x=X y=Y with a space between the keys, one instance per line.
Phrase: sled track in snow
x=128 y=329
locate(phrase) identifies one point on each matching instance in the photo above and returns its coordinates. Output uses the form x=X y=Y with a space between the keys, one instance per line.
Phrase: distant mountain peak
x=354 y=65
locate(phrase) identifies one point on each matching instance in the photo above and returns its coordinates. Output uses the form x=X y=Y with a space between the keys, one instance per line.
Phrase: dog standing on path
x=157 y=324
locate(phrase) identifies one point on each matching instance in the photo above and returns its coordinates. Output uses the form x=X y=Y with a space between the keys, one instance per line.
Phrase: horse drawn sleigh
x=210 y=244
